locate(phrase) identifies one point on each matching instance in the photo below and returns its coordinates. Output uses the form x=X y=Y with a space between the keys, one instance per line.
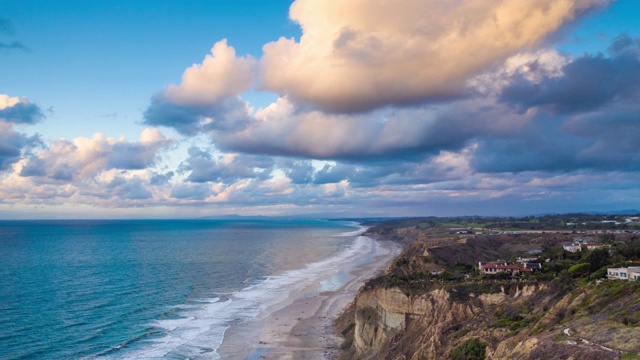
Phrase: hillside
x=432 y=302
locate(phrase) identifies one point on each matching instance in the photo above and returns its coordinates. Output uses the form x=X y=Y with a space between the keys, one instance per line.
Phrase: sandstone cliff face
x=387 y=323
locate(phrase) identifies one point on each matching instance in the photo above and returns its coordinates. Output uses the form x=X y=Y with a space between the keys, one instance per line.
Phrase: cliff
x=408 y=314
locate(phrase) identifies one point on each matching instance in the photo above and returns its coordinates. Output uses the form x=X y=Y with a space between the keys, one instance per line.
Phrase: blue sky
x=366 y=108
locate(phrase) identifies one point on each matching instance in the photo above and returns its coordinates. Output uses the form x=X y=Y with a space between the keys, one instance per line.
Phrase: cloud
x=282 y=129
x=139 y=155
x=381 y=106
x=588 y=82
x=207 y=97
x=191 y=191
x=19 y=110
x=13 y=145
x=221 y=75
x=132 y=189
x=85 y=158
x=362 y=55
x=227 y=168
x=344 y=85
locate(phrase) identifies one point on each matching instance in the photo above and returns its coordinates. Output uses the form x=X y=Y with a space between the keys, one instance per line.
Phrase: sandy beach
x=301 y=326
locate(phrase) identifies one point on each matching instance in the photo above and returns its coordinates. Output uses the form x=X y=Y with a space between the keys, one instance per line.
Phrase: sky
x=318 y=108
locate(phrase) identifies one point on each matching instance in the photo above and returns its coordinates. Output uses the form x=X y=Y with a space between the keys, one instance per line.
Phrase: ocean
x=154 y=288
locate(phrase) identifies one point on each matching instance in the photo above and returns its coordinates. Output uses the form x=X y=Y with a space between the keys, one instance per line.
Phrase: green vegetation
x=472 y=349
x=580 y=269
x=512 y=319
x=630 y=357
x=402 y=261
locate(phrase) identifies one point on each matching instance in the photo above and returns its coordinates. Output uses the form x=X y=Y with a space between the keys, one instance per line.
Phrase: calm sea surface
x=140 y=288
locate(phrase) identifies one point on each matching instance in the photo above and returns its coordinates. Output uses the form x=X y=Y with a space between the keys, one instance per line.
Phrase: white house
x=578 y=247
x=572 y=248
x=630 y=273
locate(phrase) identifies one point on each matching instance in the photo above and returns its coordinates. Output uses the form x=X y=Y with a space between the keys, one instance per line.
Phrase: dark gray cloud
x=228 y=114
x=191 y=191
x=602 y=140
x=132 y=156
x=21 y=113
x=588 y=83
x=13 y=145
x=334 y=174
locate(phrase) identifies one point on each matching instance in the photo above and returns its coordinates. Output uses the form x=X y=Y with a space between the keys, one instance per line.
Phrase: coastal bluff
x=408 y=312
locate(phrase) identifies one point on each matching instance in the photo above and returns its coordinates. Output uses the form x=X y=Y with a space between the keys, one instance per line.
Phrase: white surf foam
x=199 y=333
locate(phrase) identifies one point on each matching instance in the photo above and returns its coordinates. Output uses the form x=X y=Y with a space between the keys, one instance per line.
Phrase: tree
x=607 y=238
x=597 y=258
x=580 y=269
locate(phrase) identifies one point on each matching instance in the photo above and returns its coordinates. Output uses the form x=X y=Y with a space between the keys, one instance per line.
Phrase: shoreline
x=301 y=327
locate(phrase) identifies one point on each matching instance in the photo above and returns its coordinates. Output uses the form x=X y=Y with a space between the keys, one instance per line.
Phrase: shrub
x=472 y=349
x=402 y=261
x=598 y=274
x=580 y=269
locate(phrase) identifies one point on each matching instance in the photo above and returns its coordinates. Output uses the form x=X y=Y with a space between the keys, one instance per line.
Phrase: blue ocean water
x=147 y=288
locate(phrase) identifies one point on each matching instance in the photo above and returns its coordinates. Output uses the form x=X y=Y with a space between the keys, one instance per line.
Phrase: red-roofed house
x=492 y=268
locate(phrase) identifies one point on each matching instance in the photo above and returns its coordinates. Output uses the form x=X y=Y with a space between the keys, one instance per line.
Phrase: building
x=592 y=246
x=533 y=266
x=572 y=248
x=497 y=267
x=578 y=247
x=630 y=273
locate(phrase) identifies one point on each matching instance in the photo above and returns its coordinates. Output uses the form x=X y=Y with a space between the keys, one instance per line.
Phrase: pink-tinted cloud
x=85 y=158
x=361 y=55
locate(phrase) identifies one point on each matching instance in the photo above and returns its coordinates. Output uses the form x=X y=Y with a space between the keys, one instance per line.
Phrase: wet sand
x=301 y=326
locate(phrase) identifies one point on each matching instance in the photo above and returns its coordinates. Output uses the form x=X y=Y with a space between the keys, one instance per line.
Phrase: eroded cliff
x=408 y=314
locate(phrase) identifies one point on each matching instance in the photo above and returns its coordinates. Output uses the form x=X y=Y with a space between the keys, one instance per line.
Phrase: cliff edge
x=429 y=304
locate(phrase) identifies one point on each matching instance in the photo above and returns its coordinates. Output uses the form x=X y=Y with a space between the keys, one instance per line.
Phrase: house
x=572 y=248
x=630 y=273
x=521 y=260
x=592 y=246
x=610 y=222
x=578 y=247
x=533 y=266
x=497 y=267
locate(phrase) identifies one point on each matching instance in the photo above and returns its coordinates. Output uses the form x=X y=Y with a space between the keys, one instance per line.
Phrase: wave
x=361 y=229
x=200 y=330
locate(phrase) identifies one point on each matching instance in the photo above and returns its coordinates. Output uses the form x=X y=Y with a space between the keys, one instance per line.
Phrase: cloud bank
x=427 y=107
